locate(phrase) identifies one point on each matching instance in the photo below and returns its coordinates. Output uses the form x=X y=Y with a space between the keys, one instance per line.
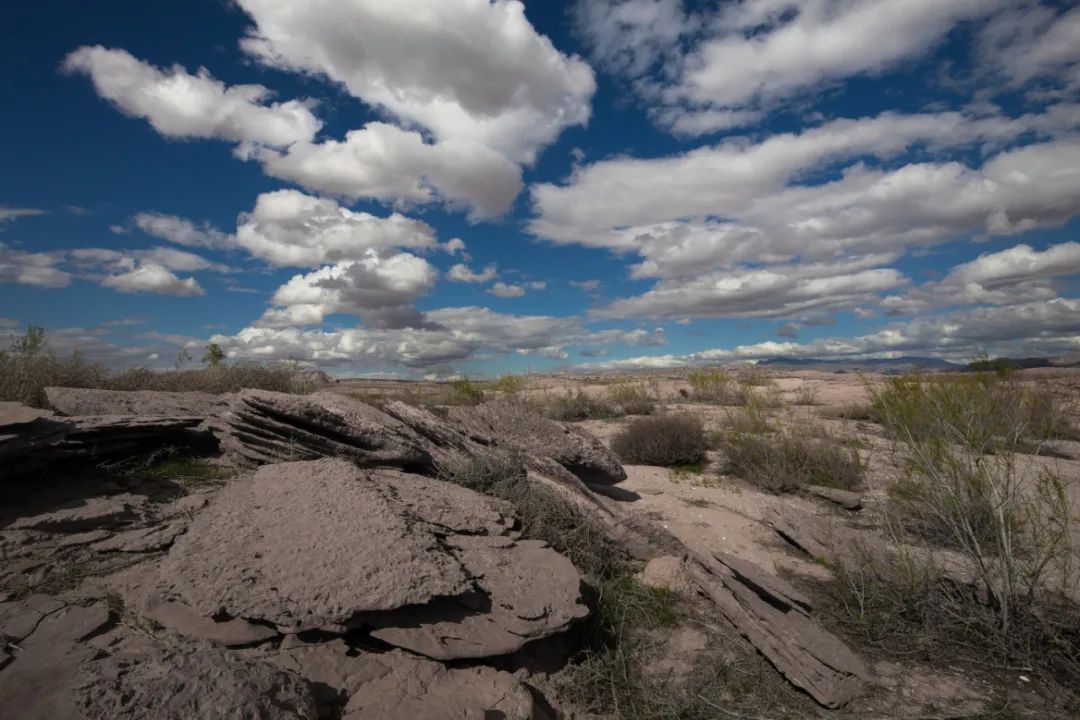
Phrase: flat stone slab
x=88 y=401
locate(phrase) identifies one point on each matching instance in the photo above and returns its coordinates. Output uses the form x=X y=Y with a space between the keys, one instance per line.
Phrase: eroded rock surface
x=87 y=401
x=521 y=428
x=260 y=427
x=398 y=686
x=325 y=545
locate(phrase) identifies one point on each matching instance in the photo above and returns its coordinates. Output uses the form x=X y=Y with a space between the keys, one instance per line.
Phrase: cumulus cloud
x=386 y=163
x=504 y=290
x=153 y=278
x=1050 y=328
x=454 y=334
x=1032 y=42
x=182 y=231
x=289 y=228
x=763 y=292
x=1018 y=274
x=381 y=289
x=469 y=71
x=30 y=268
x=179 y=104
x=713 y=70
x=461 y=273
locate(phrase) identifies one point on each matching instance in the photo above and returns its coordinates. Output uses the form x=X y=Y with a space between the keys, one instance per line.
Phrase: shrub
x=463 y=392
x=806 y=395
x=632 y=398
x=510 y=384
x=666 y=440
x=544 y=513
x=710 y=385
x=790 y=458
x=963 y=485
x=576 y=406
x=30 y=366
x=720 y=387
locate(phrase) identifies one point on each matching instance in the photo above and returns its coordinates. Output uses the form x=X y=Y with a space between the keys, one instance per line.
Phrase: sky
x=473 y=187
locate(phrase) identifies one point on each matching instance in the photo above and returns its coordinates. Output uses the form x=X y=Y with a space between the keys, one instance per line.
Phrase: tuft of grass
x=510 y=384
x=579 y=405
x=806 y=394
x=632 y=398
x=462 y=392
x=790 y=458
x=544 y=513
x=190 y=472
x=665 y=440
x=722 y=388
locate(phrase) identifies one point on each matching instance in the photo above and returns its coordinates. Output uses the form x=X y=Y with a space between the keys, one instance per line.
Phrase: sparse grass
x=190 y=472
x=544 y=513
x=632 y=398
x=806 y=394
x=851 y=411
x=790 y=458
x=665 y=440
x=959 y=444
x=462 y=392
x=618 y=676
x=722 y=388
x=29 y=366
x=510 y=385
x=579 y=405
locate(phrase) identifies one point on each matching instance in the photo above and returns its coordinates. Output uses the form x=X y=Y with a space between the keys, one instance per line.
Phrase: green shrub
x=665 y=440
x=510 y=384
x=790 y=458
x=633 y=398
x=959 y=439
x=463 y=392
x=721 y=388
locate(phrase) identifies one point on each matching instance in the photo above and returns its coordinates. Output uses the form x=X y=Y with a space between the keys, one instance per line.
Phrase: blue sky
x=475 y=186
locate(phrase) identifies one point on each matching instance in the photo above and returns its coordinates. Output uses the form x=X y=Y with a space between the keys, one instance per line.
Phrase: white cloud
x=462 y=273
x=179 y=104
x=152 y=278
x=585 y=285
x=455 y=246
x=28 y=268
x=1034 y=42
x=11 y=213
x=714 y=70
x=1050 y=328
x=467 y=70
x=778 y=291
x=386 y=163
x=381 y=289
x=453 y=334
x=289 y=228
x=111 y=260
x=1017 y=275
x=537 y=285
x=504 y=290
x=182 y=231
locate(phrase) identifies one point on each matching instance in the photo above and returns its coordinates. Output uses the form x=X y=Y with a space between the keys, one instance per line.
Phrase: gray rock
x=396 y=686
x=37 y=680
x=517 y=426
x=92 y=513
x=178 y=679
x=843 y=498
x=260 y=427
x=86 y=401
x=326 y=545
x=145 y=539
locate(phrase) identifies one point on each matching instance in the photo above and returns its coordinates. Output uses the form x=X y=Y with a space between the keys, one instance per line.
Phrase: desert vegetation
x=671 y=440
x=721 y=387
x=29 y=365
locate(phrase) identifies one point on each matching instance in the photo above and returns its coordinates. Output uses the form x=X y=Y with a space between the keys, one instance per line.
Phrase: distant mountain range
x=899 y=364
x=908 y=363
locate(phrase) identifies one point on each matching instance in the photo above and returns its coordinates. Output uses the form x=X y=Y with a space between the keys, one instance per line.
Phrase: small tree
x=214 y=355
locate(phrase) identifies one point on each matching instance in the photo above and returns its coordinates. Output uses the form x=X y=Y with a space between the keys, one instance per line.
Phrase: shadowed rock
x=87 y=401
x=397 y=686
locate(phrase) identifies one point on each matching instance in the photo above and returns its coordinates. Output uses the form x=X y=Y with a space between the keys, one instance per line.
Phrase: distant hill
x=884 y=365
